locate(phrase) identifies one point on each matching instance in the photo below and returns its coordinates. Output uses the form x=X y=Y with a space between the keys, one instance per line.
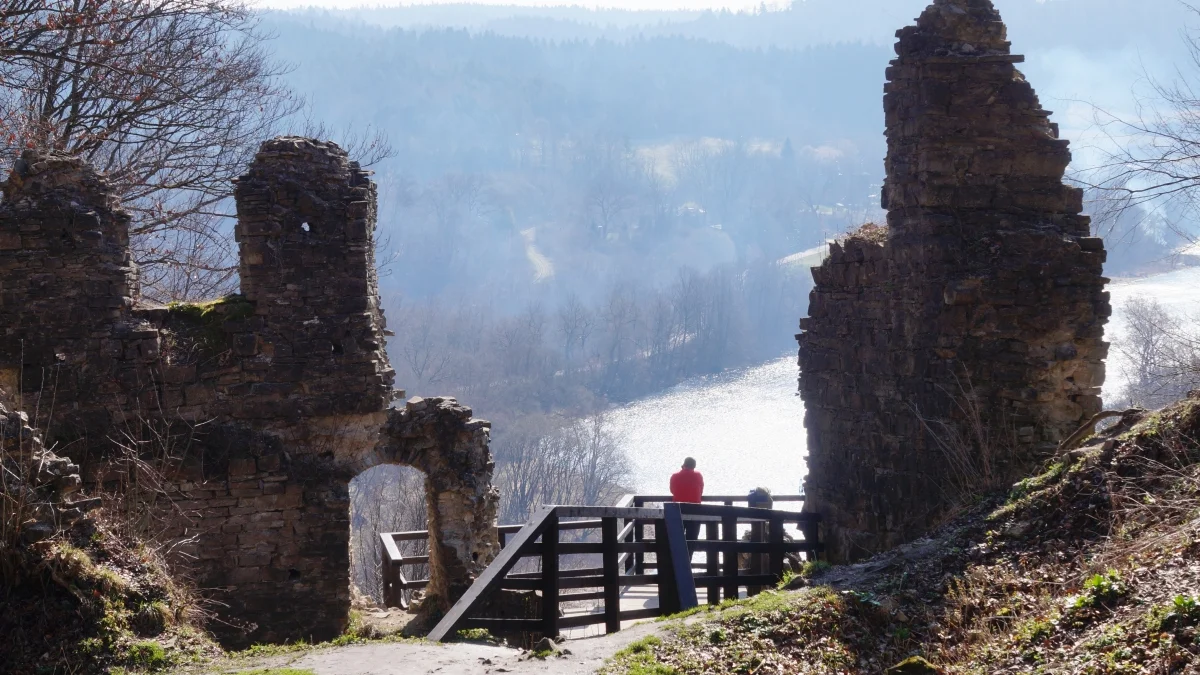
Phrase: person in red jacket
x=687 y=485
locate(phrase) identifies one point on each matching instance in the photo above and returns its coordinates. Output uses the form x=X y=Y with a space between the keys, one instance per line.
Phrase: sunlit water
x=744 y=427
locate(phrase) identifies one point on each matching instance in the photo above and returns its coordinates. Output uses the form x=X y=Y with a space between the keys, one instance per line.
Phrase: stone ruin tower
x=68 y=283
x=272 y=401
x=306 y=229
x=950 y=352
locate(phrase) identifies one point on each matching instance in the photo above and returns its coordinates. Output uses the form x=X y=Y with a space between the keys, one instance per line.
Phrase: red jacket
x=687 y=485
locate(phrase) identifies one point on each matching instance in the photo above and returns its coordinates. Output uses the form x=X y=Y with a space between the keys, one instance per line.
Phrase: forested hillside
x=632 y=200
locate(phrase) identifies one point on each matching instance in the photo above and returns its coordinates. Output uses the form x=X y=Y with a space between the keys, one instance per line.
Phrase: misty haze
x=878 y=317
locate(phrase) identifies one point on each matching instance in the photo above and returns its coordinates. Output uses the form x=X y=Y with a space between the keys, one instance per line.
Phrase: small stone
x=545 y=645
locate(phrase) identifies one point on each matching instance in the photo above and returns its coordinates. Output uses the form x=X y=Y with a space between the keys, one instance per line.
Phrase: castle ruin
x=260 y=408
x=951 y=351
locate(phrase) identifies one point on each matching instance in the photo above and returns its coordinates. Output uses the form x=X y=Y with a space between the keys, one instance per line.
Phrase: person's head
x=689 y=463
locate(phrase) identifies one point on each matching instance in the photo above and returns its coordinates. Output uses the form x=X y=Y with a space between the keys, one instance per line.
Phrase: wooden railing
x=398 y=588
x=623 y=564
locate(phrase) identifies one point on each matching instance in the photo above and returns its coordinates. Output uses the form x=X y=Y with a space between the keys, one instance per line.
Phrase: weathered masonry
x=951 y=351
x=259 y=408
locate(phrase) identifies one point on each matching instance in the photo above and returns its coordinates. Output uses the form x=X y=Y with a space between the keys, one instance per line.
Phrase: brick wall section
x=271 y=401
x=981 y=306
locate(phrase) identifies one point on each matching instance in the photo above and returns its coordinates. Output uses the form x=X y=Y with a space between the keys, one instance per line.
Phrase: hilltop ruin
x=950 y=352
x=259 y=408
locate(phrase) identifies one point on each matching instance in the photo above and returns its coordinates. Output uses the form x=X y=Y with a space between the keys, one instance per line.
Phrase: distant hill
x=1090 y=25
x=452 y=99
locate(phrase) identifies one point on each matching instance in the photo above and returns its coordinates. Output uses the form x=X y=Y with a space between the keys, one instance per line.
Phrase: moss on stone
x=232 y=307
x=205 y=321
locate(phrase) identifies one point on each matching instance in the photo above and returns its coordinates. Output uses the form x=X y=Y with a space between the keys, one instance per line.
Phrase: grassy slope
x=93 y=601
x=1091 y=567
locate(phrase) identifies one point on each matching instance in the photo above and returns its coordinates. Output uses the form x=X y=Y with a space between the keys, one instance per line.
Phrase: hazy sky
x=617 y=4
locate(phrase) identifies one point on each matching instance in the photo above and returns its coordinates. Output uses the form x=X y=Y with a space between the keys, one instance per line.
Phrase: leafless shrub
x=18 y=503
x=1161 y=354
x=140 y=494
x=971 y=445
x=385 y=499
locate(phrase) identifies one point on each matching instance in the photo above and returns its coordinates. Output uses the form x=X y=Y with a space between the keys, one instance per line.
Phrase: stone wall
x=258 y=409
x=949 y=352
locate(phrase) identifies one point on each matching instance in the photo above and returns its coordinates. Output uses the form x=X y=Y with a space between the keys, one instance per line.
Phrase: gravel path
x=586 y=656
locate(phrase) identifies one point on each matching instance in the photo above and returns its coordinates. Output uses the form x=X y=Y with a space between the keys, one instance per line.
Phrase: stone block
x=242 y=467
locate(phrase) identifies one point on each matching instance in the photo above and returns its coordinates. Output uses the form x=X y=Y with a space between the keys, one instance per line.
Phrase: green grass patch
x=812 y=568
x=147 y=655
x=639 y=659
x=1034 y=631
x=1182 y=612
x=1101 y=590
x=475 y=635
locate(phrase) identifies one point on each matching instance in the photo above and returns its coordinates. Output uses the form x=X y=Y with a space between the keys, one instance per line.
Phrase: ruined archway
x=289 y=382
x=383 y=499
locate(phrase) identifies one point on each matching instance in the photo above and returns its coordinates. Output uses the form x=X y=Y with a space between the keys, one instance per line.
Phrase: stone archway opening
x=384 y=498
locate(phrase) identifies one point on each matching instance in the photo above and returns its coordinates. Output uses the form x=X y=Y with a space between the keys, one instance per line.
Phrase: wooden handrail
x=490 y=580
x=621 y=550
x=657 y=499
x=622 y=544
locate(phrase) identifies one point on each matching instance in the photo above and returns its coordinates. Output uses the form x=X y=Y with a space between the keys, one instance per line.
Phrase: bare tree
x=1161 y=354
x=169 y=98
x=544 y=460
x=384 y=499
x=575 y=324
x=422 y=345
x=1152 y=157
x=607 y=199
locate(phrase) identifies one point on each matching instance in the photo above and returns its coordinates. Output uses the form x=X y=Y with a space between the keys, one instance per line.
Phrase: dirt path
x=586 y=656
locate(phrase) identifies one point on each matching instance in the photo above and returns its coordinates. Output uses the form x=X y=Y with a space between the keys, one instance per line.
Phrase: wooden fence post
x=639 y=535
x=612 y=591
x=673 y=555
x=757 y=560
x=775 y=534
x=550 y=577
x=712 y=560
x=729 y=534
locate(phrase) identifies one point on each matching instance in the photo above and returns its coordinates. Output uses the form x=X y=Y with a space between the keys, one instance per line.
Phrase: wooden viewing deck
x=624 y=552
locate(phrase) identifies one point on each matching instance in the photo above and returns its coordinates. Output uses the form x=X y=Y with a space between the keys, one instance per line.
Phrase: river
x=746 y=427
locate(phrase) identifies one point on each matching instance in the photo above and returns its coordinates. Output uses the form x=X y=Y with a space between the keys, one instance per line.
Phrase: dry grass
x=872 y=233
x=970 y=445
x=99 y=594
